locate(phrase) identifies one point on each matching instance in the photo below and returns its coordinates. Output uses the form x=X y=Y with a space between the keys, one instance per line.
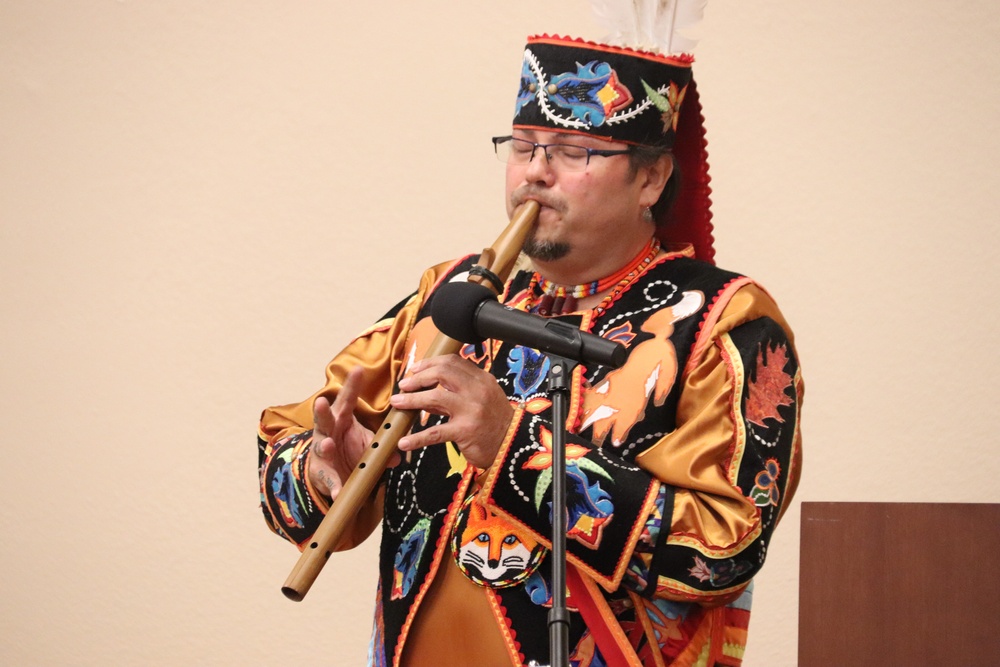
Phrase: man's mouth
x=544 y=200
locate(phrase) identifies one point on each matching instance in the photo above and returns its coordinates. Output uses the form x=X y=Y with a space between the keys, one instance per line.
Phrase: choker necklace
x=561 y=299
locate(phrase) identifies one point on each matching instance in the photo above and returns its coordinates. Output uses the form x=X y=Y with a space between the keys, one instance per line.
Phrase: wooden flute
x=498 y=259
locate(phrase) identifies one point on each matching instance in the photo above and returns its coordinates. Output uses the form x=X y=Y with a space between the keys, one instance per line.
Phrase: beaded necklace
x=561 y=299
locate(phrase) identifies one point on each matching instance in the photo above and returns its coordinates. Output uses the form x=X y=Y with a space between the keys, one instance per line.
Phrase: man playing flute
x=679 y=463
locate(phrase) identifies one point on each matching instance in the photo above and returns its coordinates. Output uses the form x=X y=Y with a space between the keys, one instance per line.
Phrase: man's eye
x=570 y=152
x=520 y=147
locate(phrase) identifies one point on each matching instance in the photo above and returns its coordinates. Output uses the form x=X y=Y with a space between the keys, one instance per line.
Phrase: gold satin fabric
x=709 y=513
x=455 y=625
x=380 y=350
x=697 y=457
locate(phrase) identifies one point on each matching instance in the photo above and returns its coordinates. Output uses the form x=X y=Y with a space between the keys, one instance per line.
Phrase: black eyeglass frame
x=600 y=152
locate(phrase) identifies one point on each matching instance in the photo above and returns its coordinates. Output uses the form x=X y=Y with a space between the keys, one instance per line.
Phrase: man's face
x=589 y=220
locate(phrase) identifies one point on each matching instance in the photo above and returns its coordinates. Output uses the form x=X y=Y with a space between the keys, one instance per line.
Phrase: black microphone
x=470 y=313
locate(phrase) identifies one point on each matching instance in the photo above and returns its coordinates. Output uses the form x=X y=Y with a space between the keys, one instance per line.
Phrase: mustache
x=543 y=197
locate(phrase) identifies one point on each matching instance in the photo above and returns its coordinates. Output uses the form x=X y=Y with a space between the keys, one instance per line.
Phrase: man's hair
x=644 y=156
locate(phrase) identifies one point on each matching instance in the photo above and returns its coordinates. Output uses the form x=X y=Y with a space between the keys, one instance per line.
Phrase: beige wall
x=199 y=202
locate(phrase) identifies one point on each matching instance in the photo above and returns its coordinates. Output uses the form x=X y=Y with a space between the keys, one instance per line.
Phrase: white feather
x=670 y=27
x=617 y=18
x=646 y=20
x=682 y=27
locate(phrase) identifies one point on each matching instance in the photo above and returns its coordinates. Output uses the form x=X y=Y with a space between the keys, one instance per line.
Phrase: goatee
x=544 y=251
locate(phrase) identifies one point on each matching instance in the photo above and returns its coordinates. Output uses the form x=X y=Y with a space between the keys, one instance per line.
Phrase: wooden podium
x=899 y=584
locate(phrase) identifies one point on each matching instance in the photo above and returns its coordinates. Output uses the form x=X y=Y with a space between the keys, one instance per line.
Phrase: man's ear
x=654 y=178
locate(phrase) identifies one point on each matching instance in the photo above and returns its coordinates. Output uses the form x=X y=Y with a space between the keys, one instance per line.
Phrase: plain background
x=200 y=203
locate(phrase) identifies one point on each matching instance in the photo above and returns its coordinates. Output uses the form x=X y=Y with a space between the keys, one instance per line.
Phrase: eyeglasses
x=562 y=157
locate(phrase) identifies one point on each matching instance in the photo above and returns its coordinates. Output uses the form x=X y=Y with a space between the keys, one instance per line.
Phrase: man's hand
x=478 y=411
x=339 y=439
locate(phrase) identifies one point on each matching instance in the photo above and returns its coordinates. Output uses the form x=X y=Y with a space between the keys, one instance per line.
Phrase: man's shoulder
x=715 y=289
x=690 y=273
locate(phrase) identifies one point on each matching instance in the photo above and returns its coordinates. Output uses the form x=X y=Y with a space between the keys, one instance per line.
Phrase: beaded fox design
x=491 y=552
x=618 y=402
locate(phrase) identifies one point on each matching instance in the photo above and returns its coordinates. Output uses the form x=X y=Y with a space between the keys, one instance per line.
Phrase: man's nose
x=539 y=168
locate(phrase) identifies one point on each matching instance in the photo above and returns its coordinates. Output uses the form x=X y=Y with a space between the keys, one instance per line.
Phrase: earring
x=647 y=214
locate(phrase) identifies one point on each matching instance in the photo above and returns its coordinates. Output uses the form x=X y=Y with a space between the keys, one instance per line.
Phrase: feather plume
x=669 y=27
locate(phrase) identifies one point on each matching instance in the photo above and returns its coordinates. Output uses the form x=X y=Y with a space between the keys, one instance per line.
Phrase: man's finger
x=438 y=401
x=432 y=436
x=322 y=420
x=347 y=397
x=321 y=447
x=448 y=371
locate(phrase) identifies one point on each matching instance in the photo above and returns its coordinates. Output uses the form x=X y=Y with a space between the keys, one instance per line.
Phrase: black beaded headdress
x=629 y=95
x=569 y=85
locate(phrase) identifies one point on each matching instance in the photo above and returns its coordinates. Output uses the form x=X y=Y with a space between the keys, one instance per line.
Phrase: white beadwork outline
x=412 y=500
x=541 y=97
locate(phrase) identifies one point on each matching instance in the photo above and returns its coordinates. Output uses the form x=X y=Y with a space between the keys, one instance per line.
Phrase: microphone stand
x=489 y=319
x=558 y=384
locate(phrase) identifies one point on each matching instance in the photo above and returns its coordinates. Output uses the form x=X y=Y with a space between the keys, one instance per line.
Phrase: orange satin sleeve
x=381 y=351
x=710 y=512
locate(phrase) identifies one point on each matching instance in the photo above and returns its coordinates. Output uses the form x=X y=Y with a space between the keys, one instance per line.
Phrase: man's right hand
x=339 y=439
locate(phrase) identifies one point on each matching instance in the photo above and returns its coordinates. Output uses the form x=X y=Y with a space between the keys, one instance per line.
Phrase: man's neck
x=569 y=271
